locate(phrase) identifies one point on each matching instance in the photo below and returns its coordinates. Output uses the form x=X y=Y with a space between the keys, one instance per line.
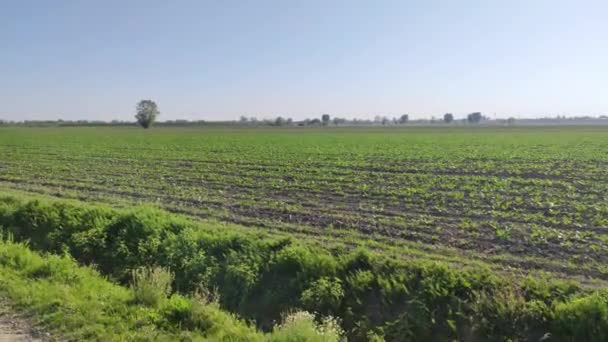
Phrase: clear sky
x=217 y=60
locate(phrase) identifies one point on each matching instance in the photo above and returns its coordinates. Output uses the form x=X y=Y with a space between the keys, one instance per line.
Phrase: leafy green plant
x=584 y=318
x=324 y=294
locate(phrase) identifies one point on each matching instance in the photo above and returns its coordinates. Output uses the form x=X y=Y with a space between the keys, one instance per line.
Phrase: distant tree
x=339 y=121
x=511 y=120
x=377 y=119
x=404 y=119
x=243 y=119
x=325 y=118
x=279 y=121
x=253 y=119
x=289 y=121
x=314 y=122
x=147 y=111
x=385 y=120
x=448 y=117
x=474 y=117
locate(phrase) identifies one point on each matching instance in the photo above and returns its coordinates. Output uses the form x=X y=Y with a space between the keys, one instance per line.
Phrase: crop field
x=517 y=200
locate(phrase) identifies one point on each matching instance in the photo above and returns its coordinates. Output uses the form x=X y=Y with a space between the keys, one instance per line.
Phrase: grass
x=76 y=303
x=151 y=285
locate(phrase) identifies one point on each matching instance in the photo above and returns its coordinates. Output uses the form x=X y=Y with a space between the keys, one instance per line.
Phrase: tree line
x=146 y=113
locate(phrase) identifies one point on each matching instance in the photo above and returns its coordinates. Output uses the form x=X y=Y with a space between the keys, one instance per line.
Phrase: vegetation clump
x=151 y=285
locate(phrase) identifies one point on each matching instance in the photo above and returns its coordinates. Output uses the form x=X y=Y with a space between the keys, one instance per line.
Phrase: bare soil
x=17 y=328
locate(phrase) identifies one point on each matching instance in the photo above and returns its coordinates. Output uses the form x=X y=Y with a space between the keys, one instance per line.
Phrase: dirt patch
x=17 y=328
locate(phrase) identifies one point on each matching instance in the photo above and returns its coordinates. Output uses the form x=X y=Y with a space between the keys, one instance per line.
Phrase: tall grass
x=151 y=285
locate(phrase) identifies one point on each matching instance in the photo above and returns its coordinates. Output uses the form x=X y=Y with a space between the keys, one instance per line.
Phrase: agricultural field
x=516 y=200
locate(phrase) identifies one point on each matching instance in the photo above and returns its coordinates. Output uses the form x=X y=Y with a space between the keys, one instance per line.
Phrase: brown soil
x=17 y=328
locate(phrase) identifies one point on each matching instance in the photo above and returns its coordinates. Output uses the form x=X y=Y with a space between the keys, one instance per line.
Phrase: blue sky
x=217 y=60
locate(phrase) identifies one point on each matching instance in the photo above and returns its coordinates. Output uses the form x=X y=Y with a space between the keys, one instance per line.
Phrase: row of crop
x=580 y=215
x=259 y=278
x=476 y=234
x=394 y=219
x=415 y=239
x=539 y=203
x=441 y=206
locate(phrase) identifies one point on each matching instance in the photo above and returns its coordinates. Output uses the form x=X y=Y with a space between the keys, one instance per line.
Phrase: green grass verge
x=76 y=303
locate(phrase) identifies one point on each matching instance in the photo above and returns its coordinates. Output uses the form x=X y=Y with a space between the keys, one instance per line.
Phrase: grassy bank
x=260 y=278
x=76 y=303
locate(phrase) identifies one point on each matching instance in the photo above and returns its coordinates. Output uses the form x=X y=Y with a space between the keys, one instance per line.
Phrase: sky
x=218 y=60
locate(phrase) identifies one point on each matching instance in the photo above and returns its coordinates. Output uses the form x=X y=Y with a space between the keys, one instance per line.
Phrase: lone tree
x=146 y=113
x=404 y=119
x=448 y=117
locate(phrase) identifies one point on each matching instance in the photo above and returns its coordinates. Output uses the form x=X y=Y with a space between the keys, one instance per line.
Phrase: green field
x=402 y=234
x=514 y=199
